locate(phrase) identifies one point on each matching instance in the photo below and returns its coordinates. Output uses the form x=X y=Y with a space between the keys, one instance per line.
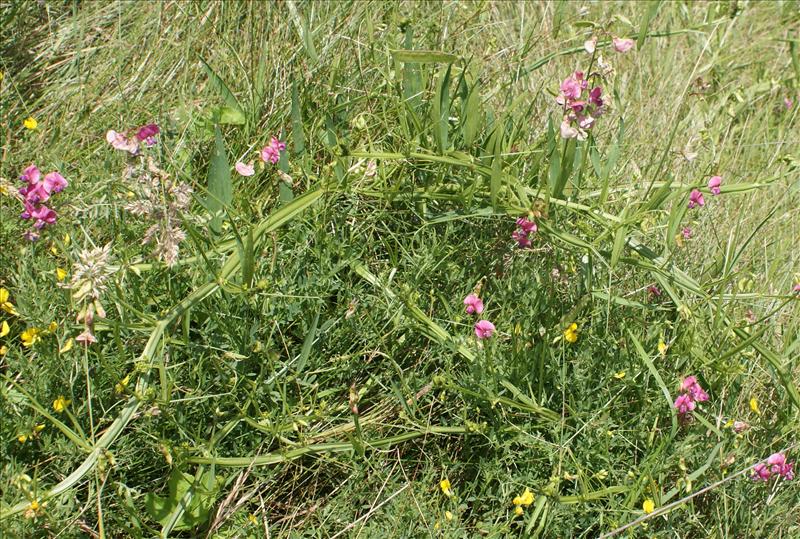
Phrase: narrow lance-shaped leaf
x=220 y=189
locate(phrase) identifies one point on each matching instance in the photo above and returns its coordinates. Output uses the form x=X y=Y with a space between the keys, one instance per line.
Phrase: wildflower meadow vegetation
x=399 y=269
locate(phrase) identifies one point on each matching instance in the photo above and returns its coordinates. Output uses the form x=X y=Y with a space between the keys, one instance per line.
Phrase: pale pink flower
x=245 y=169
x=696 y=199
x=573 y=86
x=620 y=44
x=121 y=142
x=714 y=183
x=272 y=152
x=473 y=303
x=740 y=426
x=567 y=131
x=684 y=404
x=484 y=329
x=796 y=288
x=589 y=45
x=687 y=233
x=86 y=338
x=787 y=103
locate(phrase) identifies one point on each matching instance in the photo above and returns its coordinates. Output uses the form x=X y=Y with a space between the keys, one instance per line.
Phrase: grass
x=307 y=367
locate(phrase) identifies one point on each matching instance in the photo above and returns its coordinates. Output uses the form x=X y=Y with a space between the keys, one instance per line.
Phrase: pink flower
x=272 y=152
x=595 y=96
x=760 y=472
x=714 y=183
x=778 y=466
x=30 y=235
x=484 y=329
x=620 y=44
x=86 y=338
x=527 y=225
x=653 y=290
x=44 y=216
x=684 y=404
x=147 y=134
x=474 y=304
x=54 y=182
x=740 y=426
x=521 y=238
x=696 y=199
x=121 y=142
x=687 y=383
x=245 y=169
x=787 y=103
x=687 y=233
x=796 y=288
x=30 y=174
x=571 y=87
x=590 y=44
x=693 y=389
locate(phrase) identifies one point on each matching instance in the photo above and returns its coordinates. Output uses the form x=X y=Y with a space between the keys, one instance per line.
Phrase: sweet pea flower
x=245 y=169
x=714 y=183
x=590 y=44
x=620 y=44
x=693 y=389
x=573 y=86
x=761 y=472
x=687 y=233
x=684 y=404
x=527 y=225
x=272 y=152
x=147 y=134
x=484 y=329
x=787 y=103
x=522 y=239
x=120 y=141
x=86 y=338
x=696 y=199
x=796 y=288
x=44 y=216
x=473 y=303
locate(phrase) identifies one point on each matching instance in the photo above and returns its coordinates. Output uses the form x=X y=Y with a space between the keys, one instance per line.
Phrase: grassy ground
x=307 y=369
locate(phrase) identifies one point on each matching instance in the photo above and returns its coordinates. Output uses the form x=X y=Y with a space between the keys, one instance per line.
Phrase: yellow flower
x=52 y=326
x=648 y=506
x=662 y=347
x=30 y=337
x=518 y=510
x=526 y=498
x=122 y=384
x=448 y=515
x=22 y=438
x=3 y=350
x=61 y=274
x=39 y=427
x=4 y=329
x=30 y=123
x=67 y=346
x=6 y=305
x=252 y=518
x=571 y=333
x=619 y=375
x=754 y=406
x=66 y=240
x=444 y=484
x=61 y=403
x=54 y=249
x=35 y=505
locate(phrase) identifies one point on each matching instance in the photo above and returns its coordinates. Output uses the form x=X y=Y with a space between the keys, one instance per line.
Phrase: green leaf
x=496 y=179
x=647 y=16
x=223 y=89
x=301 y=24
x=229 y=116
x=473 y=115
x=422 y=57
x=298 y=136
x=220 y=188
x=440 y=111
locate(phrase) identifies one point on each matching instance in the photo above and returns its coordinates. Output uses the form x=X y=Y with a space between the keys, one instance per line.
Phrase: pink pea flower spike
x=761 y=472
x=473 y=303
x=271 y=153
x=714 y=183
x=620 y=44
x=484 y=329
x=245 y=169
x=696 y=199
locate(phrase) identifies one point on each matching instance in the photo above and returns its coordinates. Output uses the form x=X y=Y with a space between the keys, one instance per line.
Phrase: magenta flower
x=44 y=216
x=776 y=466
x=525 y=229
x=522 y=239
x=684 y=404
x=573 y=86
x=245 y=169
x=653 y=290
x=761 y=472
x=473 y=303
x=696 y=199
x=620 y=44
x=272 y=152
x=147 y=134
x=687 y=233
x=580 y=110
x=526 y=225
x=714 y=183
x=693 y=389
x=484 y=329
x=787 y=103
x=37 y=191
